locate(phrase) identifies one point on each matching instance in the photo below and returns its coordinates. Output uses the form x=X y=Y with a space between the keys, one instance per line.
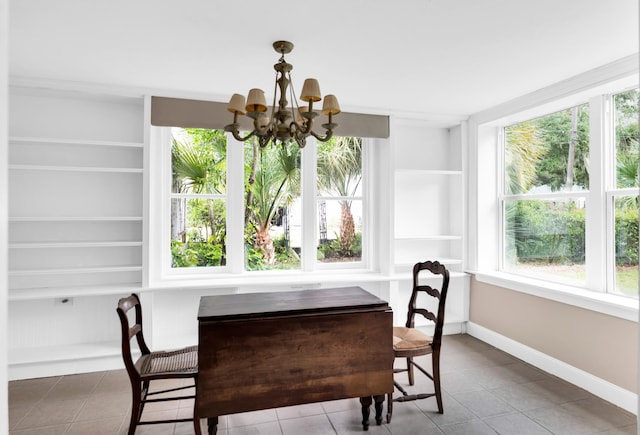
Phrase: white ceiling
x=444 y=59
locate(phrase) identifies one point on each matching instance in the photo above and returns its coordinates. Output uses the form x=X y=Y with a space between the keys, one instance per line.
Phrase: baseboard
x=44 y=369
x=450 y=328
x=612 y=393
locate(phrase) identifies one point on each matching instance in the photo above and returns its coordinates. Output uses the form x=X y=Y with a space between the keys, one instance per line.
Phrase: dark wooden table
x=268 y=350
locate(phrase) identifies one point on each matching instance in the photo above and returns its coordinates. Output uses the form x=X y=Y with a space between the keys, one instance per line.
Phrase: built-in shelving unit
x=428 y=194
x=76 y=168
x=428 y=204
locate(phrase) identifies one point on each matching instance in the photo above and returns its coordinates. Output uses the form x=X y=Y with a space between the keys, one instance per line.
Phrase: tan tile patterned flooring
x=486 y=392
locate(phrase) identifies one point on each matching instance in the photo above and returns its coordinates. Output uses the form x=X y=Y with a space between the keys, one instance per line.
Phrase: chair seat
x=410 y=339
x=177 y=361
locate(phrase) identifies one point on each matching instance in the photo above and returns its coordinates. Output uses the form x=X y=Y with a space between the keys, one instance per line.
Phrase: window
x=564 y=186
x=231 y=207
x=273 y=221
x=545 y=190
x=339 y=200
x=198 y=198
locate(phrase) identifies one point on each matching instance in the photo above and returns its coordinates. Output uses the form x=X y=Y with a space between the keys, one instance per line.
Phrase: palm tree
x=627 y=176
x=275 y=184
x=524 y=148
x=340 y=173
x=199 y=166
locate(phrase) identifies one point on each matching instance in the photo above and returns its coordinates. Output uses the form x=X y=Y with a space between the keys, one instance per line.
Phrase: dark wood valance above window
x=178 y=112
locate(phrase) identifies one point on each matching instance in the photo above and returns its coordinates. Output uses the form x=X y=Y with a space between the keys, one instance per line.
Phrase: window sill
x=286 y=279
x=605 y=303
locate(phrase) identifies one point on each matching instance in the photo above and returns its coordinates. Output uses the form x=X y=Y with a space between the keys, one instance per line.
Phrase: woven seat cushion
x=182 y=360
x=409 y=339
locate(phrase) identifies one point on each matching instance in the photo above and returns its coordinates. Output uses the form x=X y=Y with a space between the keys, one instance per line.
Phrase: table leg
x=365 y=402
x=379 y=402
x=212 y=423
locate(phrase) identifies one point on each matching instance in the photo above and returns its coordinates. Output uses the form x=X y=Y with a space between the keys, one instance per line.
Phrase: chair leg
x=389 y=407
x=435 y=361
x=410 y=369
x=136 y=401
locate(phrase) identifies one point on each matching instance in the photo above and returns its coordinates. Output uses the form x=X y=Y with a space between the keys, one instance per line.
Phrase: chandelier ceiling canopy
x=285 y=122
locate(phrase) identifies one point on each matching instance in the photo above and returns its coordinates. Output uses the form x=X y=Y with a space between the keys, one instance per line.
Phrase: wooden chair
x=151 y=366
x=409 y=342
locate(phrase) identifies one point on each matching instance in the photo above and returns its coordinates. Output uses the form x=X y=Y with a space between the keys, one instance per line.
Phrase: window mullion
x=309 y=215
x=596 y=239
x=500 y=194
x=235 y=205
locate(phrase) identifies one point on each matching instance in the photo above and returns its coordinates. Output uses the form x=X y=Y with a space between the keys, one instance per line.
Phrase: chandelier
x=284 y=123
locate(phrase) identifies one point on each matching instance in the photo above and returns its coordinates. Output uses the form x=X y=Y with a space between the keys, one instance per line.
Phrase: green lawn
x=627 y=281
x=626 y=277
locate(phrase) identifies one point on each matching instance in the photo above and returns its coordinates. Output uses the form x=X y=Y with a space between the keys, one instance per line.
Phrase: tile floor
x=486 y=392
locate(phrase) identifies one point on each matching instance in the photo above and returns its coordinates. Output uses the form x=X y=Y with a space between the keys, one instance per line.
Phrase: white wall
x=4 y=114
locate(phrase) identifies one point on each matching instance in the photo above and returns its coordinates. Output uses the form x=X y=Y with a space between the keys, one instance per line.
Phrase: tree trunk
x=264 y=243
x=347 y=230
x=178 y=230
x=573 y=140
x=212 y=220
x=251 y=181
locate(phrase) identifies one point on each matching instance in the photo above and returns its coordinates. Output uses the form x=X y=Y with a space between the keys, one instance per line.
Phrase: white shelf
x=70 y=292
x=401 y=276
x=102 y=143
x=93 y=169
x=428 y=171
x=78 y=270
x=75 y=219
x=445 y=261
x=432 y=238
x=51 y=245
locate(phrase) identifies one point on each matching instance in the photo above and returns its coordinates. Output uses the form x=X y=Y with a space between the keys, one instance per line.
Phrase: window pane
x=340 y=219
x=198 y=224
x=549 y=153
x=340 y=231
x=626 y=124
x=626 y=249
x=546 y=239
x=272 y=193
x=198 y=161
x=198 y=232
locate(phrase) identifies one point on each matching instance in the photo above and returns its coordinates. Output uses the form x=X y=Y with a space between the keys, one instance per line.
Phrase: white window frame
x=485 y=228
x=367 y=146
x=161 y=274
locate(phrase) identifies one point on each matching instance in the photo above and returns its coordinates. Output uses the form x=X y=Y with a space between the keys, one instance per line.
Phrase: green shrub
x=198 y=253
x=627 y=237
x=541 y=231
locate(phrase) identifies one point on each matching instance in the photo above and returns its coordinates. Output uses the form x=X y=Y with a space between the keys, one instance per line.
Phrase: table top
x=275 y=304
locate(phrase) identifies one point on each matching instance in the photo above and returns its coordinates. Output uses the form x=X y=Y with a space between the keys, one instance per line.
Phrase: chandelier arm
x=307 y=125
x=329 y=135
x=236 y=133
x=296 y=128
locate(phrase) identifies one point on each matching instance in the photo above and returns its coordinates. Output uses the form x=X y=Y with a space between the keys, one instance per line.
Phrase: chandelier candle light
x=285 y=123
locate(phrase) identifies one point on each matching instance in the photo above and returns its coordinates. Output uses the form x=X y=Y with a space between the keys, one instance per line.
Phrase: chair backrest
x=128 y=332
x=435 y=268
